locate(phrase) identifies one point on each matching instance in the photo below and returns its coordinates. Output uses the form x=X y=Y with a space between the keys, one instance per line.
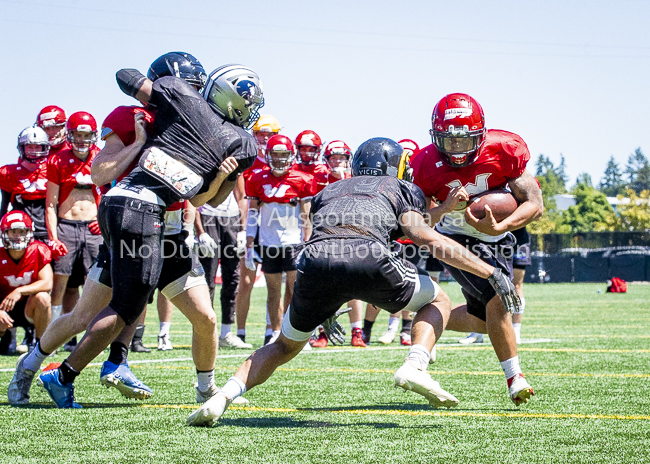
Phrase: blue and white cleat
x=62 y=395
x=121 y=377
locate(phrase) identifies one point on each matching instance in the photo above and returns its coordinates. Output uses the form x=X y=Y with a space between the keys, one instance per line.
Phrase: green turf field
x=587 y=355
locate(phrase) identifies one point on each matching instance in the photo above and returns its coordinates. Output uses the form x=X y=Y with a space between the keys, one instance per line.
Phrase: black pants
x=223 y=230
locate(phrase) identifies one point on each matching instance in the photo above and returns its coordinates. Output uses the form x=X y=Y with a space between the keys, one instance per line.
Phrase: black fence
x=590 y=257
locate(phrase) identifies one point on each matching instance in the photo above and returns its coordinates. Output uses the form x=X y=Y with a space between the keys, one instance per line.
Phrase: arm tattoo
x=525 y=188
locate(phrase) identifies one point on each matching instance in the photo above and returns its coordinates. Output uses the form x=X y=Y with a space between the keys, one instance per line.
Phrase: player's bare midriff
x=79 y=206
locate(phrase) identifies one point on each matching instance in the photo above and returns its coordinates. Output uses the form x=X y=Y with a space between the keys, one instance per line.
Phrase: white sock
x=164 y=328
x=241 y=332
x=225 y=329
x=356 y=325
x=55 y=312
x=34 y=360
x=420 y=355
x=393 y=323
x=205 y=379
x=233 y=388
x=516 y=326
x=268 y=332
x=511 y=367
x=275 y=334
x=268 y=318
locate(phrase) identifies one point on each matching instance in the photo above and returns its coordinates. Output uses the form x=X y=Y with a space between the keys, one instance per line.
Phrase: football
x=501 y=202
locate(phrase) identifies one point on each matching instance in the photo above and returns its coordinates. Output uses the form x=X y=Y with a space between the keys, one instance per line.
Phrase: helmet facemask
x=280 y=161
x=308 y=154
x=18 y=237
x=56 y=132
x=34 y=153
x=82 y=140
x=458 y=145
x=339 y=163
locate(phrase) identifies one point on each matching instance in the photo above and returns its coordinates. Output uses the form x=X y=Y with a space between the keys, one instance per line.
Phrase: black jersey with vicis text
x=364 y=207
x=188 y=130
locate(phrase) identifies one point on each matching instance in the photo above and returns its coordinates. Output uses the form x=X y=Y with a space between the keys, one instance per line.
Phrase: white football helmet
x=235 y=93
x=33 y=144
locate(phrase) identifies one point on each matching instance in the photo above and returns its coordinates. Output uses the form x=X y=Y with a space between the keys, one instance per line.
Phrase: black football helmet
x=382 y=157
x=179 y=64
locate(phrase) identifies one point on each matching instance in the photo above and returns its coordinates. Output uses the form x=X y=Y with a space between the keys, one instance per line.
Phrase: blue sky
x=569 y=77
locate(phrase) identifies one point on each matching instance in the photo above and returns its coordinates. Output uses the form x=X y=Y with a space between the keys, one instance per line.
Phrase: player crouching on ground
x=466 y=159
x=348 y=257
x=26 y=278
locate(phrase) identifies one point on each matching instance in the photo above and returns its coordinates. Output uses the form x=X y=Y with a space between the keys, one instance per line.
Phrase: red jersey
x=121 y=123
x=69 y=172
x=331 y=179
x=295 y=184
x=503 y=157
x=18 y=180
x=257 y=166
x=320 y=172
x=60 y=147
x=14 y=275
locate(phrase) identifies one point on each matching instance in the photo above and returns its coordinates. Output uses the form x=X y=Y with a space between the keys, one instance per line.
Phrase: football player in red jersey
x=279 y=210
x=466 y=159
x=52 y=120
x=25 y=276
x=23 y=186
x=266 y=127
x=308 y=151
x=71 y=214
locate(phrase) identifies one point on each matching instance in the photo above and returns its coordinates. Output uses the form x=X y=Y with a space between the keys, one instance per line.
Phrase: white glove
x=241 y=242
x=251 y=259
x=207 y=246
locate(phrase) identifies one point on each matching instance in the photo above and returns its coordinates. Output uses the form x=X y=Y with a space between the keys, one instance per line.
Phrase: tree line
x=592 y=212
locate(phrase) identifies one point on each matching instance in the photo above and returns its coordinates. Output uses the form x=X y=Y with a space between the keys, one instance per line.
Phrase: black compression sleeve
x=130 y=81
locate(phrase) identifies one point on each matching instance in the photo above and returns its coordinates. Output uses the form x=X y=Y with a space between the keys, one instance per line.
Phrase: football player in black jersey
x=348 y=257
x=198 y=149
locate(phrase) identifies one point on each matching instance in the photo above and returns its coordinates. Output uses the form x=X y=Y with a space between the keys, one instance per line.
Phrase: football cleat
x=388 y=336
x=520 y=390
x=202 y=397
x=357 y=338
x=320 y=342
x=471 y=338
x=410 y=378
x=121 y=377
x=405 y=339
x=210 y=411
x=164 y=343
x=138 y=347
x=70 y=346
x=366 y=337
x=18 y=391
x=62 y=395
x=233 y=341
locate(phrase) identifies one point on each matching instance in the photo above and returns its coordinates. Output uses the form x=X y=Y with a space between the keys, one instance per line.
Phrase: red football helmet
x=23 y=229
x=82 y=131
x=280 y=154
x=338 y=148
x=409 y=146
x=308 y=145
x=458 y=129
x=52 y=119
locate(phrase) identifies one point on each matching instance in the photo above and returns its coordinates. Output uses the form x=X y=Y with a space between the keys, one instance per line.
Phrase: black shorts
x=18 y=314
x=133 y=232
x=178 y=261
x=83 y=248
x=278 y=259
x=522 y=258
x=333 y=272
x=477 y=291
x=421 y=258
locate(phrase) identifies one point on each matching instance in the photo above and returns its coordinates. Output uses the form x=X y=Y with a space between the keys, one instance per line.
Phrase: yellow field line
x=416 y=413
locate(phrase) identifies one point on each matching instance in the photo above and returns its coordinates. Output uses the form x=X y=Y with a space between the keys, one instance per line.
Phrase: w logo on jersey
x=480 y=186
x=83 y=179
x=275 y=192
x=25 y=279
x=28 y=186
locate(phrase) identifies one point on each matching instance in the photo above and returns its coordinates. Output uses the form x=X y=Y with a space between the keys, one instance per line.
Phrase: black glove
x=506 y=290
x=335 y=331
